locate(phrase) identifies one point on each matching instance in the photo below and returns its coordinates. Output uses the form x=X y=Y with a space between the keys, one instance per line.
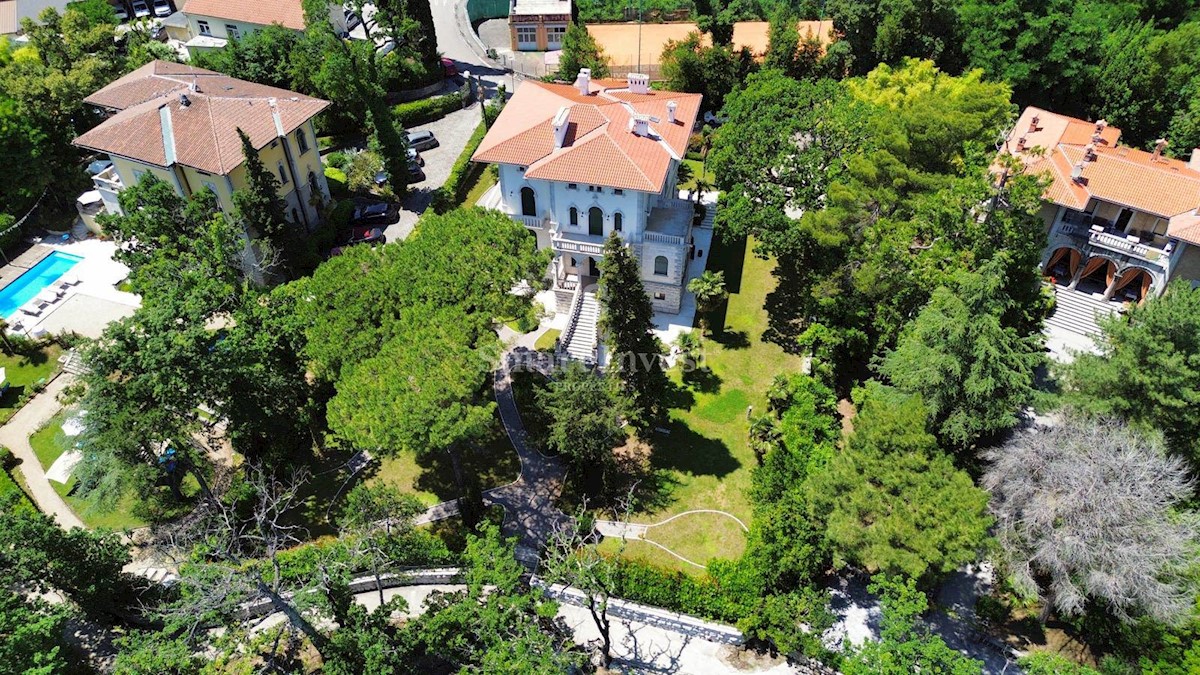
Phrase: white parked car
x=163 y=8
x=140 y=9
x=122 y=14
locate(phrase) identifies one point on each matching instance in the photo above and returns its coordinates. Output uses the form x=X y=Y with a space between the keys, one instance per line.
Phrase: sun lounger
x=32 y=309
x=69 y=280
x=47 y=297
x=38 y=333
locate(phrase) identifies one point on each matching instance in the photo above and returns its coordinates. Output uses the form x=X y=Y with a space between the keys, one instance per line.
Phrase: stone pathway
x=530 y=512
x=15 y=436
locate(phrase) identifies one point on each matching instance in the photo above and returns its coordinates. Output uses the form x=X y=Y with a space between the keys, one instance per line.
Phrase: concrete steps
x=584 y=336
x=1076 y=312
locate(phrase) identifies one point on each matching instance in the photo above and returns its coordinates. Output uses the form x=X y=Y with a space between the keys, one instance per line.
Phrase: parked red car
x=448 y=68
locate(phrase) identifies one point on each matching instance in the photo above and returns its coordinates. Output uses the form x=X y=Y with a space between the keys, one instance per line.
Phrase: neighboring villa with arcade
x=1123 y=223
x=581 y=161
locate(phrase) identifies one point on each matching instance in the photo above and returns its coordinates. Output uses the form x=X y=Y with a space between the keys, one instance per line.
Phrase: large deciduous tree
x=892 y=502
x=635 y=354
x=1088 y=511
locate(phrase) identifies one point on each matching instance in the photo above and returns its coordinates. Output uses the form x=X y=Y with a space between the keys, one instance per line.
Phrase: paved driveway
x=452 y=131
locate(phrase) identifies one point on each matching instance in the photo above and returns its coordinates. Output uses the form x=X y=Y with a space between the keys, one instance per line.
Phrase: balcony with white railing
x=531 y=222
x=670 y=222
x=572 y=240
x=1097 y=233
x=108 y=180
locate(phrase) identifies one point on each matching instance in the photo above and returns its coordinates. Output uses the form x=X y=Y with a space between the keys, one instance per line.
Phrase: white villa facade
x=580 y=162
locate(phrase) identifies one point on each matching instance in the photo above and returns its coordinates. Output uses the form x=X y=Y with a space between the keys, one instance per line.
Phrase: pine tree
x=580 y=50
x=634 y=352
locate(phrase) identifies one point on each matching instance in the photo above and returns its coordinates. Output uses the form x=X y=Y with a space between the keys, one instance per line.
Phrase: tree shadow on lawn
x=729 y=258
x=702 y=380
x=787 y=306
x=731 y=339
x=686 y=451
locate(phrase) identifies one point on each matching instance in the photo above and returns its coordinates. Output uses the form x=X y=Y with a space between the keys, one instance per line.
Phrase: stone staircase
x=72 y=362
x=1076 y=312
x=581 y=333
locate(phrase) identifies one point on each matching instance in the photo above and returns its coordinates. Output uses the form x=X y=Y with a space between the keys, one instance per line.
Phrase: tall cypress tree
x=262 y=210
x=634 y=352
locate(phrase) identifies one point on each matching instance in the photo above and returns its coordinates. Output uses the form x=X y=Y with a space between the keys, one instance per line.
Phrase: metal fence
x=479 y=10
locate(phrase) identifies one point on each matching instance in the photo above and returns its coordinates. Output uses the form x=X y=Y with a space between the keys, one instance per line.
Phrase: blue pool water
x=29 y=284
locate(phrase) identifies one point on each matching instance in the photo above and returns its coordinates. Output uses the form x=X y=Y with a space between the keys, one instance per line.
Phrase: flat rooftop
x=537 y=7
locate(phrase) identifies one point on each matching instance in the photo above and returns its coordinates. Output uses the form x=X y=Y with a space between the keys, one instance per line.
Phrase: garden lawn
x=431 y=479
x=697 y=169
x=23 y=371
x=705 y=461
x=487 y=178
x=545 y=341
x=49 y=443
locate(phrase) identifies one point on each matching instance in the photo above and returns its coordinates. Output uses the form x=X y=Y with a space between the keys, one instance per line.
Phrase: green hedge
x=704 y=597
x=459 y=183
x=427 y=109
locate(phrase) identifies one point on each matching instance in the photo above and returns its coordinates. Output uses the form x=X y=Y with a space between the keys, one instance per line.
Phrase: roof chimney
x=1021 y=144
x=639 y=83
x=671 y=106
x=1194 y=163
x=1159 y=146
x=1033 y=123
x=640 y=125
x=1101 y=125
x=184 y=100
x=1077 y=173
x=1089 y=152
x=560 y=126
x=584 y=81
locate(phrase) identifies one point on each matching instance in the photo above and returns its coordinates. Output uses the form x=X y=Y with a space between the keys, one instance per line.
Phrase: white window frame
x=301 y=141
x=283 y=178
x=233 y=31
x=530 y=31
x=204 y=28
x=666 y=266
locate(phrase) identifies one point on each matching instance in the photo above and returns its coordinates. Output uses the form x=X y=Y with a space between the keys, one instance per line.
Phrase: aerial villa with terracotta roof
x=180 y=124
x=1123 y=223
x=212 y=23
x=579 y=162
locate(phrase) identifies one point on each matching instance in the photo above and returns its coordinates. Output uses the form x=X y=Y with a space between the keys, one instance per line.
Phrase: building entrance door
x=593 y=270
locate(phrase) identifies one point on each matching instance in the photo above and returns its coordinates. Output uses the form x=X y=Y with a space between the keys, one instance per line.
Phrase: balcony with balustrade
x=1096 y=236
x=670 y=222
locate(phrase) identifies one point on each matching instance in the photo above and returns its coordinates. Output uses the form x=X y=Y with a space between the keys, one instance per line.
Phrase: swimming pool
x=25 y=287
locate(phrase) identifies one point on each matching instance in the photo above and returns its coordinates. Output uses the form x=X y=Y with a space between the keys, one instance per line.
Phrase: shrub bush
x=427 y=109
x=337 y=159
x=7 y=460
x=679 y=592
x=337 y=182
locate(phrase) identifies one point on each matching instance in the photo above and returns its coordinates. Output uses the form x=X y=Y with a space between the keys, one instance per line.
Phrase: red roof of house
x=289 y=13
x=1054 y=145
x=154 y=124
x=600 y=146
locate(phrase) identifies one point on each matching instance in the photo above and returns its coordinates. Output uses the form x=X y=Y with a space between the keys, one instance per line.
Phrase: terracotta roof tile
x=202 y=133
x=1117 y=174
x=289 y=13
x=599 y=148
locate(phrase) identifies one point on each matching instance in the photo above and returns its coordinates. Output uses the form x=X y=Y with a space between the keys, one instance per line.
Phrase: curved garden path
x=15 y=434
x=638 y=531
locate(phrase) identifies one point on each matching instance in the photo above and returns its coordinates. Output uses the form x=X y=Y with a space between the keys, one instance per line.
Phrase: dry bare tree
x=229 y=548
x=571 y=559
x=1085 y=509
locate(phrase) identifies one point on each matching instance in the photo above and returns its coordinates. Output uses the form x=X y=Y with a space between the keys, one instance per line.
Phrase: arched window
x=595 y=222
x=618 y=220
x=312 y=182
x=660 y=265
x=574 y=216
x=528 y=202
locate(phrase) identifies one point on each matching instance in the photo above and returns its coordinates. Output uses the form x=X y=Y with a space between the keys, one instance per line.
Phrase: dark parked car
x=358 y=235
x=353 y=20
x=370 y=214
x=448 y=68
x=422 y=140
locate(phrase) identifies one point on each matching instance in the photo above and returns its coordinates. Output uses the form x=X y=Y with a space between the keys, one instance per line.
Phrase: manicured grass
x=24 y=371
x=487 y=179
x=49 y=443
x=705 y=461
x=697 y=170
x=545 y=341
x=431 y=478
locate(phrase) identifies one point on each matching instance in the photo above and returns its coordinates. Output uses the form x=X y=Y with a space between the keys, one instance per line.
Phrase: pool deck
x=21 y=264
x=89 y=306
